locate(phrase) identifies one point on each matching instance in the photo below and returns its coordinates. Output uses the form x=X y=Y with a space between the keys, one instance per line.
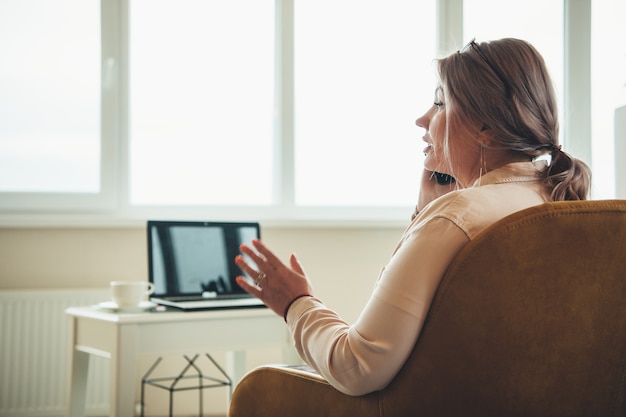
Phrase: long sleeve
x=365 y=357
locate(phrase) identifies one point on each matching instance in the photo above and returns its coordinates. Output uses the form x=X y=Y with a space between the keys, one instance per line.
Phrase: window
x=239 y=109
x=608 y=89
x=529 y=15
x=201 y=102
x=363 y=74
x=202 y=96
x=50 y=96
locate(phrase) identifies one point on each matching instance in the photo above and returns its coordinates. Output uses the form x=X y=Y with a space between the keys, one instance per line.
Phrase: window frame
x=49 y=203
x=111 y=207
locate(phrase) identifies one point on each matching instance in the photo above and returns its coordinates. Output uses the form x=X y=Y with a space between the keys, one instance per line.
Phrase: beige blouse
x=365 y=356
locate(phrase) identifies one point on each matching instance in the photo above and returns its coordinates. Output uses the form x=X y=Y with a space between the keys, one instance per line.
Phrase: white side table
x=123 y=337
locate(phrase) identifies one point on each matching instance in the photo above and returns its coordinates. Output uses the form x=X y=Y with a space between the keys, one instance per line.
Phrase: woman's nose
x=423 y=121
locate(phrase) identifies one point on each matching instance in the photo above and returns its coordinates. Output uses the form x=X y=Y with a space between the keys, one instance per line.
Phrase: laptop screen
x=195 y=258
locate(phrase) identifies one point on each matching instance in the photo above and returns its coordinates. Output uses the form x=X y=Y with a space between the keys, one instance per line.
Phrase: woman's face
x=461 y=158
x=434 y=122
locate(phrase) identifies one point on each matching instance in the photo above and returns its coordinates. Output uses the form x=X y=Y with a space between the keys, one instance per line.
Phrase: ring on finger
x=260 y=278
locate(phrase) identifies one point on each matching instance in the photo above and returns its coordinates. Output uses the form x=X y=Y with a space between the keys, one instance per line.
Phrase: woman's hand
x=275 y=283
x=430 y=189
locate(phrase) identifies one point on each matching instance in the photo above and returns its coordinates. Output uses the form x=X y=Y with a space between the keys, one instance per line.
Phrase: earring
x=483 y=161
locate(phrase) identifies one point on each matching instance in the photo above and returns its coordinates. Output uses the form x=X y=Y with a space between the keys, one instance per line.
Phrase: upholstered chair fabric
x=529 y=320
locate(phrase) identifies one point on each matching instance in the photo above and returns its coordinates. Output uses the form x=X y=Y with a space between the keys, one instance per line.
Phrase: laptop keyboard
x=201 y=298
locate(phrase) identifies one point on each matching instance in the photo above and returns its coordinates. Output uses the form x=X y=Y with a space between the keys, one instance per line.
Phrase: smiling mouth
x=427 y=149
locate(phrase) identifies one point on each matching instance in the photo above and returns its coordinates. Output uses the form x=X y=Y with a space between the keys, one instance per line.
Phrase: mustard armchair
x=529 y=320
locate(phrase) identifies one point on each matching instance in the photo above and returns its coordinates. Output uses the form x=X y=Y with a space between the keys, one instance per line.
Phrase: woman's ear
x=486 y=136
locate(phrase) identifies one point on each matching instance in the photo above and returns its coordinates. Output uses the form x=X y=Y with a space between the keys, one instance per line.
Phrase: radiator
x=34 y=353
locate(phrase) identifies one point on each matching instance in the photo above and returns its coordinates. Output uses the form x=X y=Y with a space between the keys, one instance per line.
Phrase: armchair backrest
x=529 y=320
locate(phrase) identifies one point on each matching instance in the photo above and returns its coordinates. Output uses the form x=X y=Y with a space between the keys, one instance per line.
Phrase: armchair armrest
x=282 y=391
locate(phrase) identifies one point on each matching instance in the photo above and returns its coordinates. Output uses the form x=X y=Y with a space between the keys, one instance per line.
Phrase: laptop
x=192 y=266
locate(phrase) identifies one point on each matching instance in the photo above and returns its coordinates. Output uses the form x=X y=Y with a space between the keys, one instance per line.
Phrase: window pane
x=363 y=73
x=608 y=90
x=50 y=96
x=201 y=101
x=529 y=16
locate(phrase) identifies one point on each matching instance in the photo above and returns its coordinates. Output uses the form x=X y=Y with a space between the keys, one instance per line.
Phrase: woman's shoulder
x=473 y=209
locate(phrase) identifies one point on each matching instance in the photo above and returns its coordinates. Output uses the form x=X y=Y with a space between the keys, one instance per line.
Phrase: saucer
x=112 y=307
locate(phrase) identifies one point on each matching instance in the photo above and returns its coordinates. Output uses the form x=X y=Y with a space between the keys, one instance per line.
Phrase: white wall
x=343 y=264
x=339 y=261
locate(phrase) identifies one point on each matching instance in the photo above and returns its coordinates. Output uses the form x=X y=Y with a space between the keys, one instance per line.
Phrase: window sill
x=274 y=217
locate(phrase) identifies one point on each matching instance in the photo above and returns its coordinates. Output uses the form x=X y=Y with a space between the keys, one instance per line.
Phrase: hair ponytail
x=568 y=178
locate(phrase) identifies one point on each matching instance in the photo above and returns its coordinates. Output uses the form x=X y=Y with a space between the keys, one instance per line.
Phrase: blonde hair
x=504 y=86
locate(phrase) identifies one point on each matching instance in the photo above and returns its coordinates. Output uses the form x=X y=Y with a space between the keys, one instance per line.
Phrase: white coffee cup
x=130 y=293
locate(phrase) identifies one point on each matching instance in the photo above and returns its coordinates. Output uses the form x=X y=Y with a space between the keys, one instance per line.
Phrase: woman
x=493 y=128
